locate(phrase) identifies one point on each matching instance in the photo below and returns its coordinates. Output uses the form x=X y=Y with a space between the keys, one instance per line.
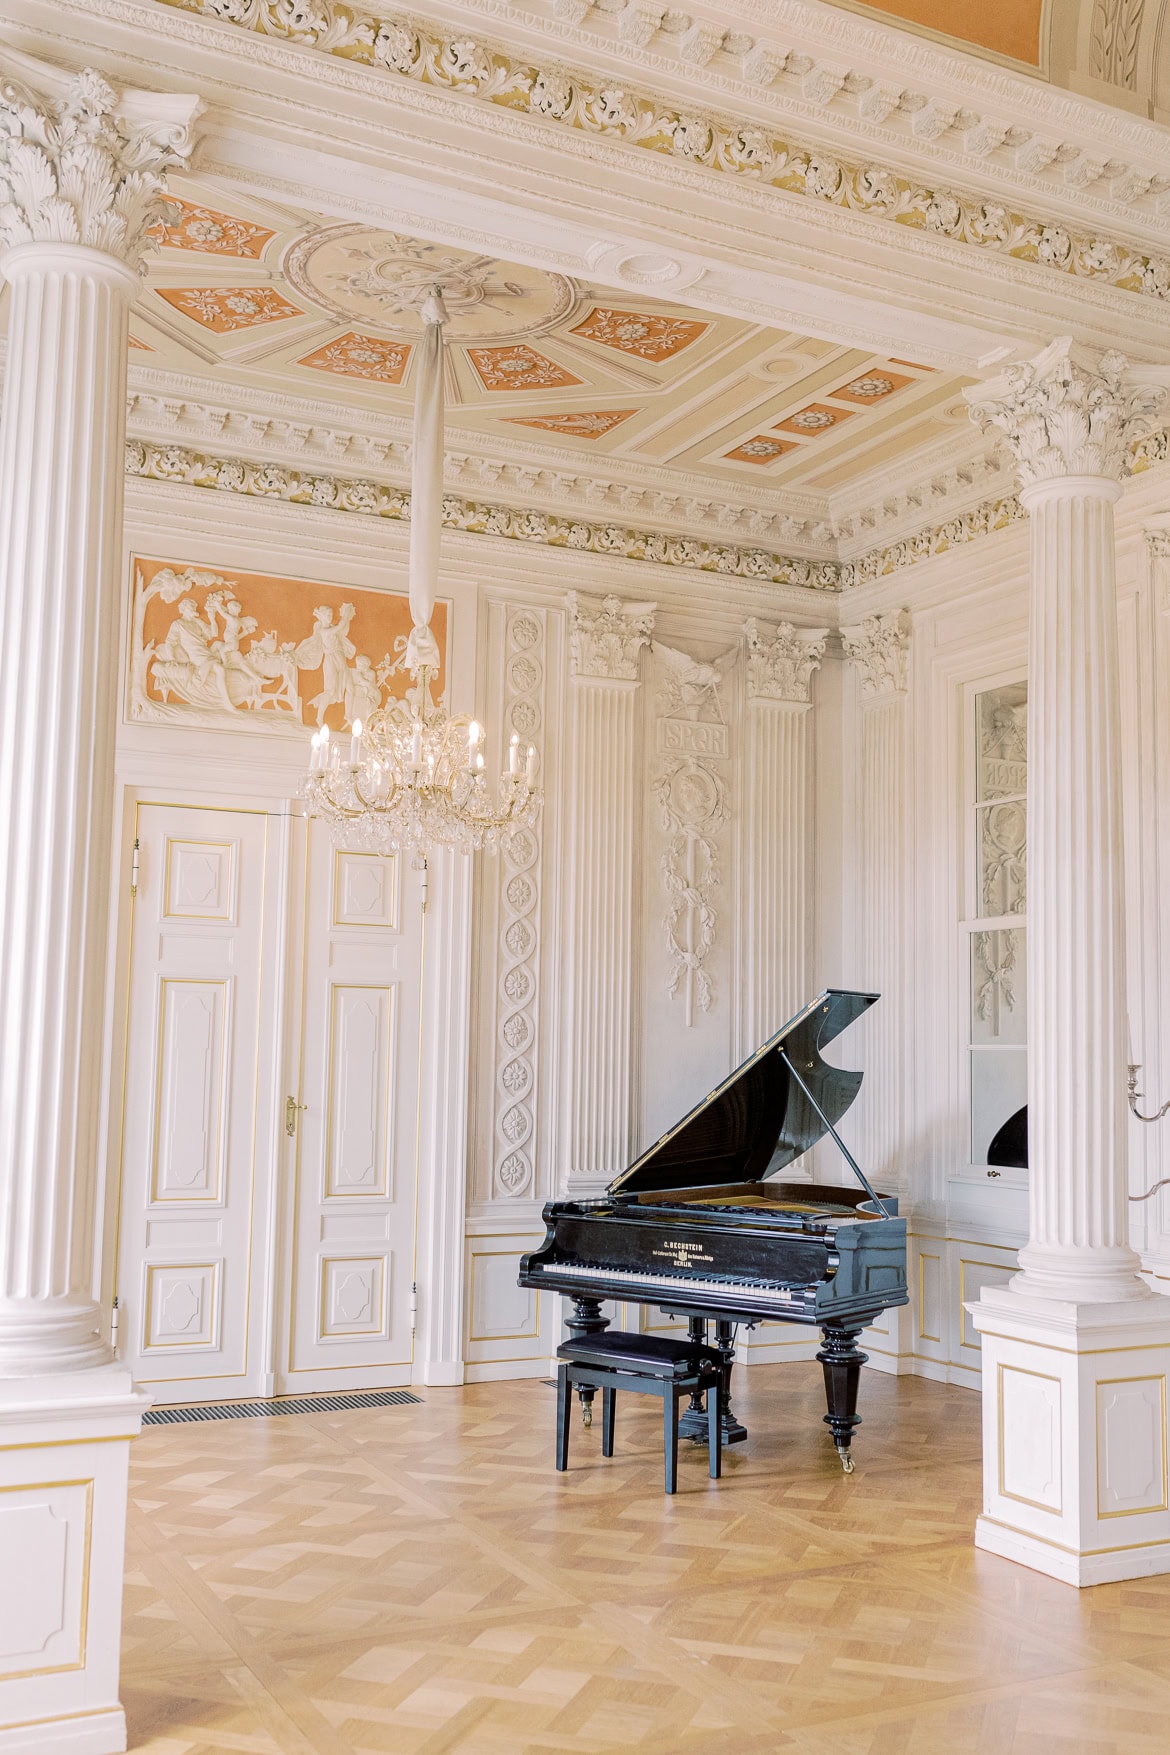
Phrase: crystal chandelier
x=412 y=776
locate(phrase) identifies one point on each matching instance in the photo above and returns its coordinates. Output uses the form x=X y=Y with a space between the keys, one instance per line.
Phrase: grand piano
x=700 y=1227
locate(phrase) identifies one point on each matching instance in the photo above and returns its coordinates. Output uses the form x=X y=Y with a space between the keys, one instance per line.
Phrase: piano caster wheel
x=586 y=1414
x=846 y=1459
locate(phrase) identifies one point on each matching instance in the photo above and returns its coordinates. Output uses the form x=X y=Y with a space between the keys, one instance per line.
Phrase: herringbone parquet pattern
x=419 y=1581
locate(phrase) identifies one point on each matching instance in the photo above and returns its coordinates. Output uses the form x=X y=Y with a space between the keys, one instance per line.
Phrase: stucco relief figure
x=690 y=684
x=329 y=648
x=362 y=693
x=205 y=656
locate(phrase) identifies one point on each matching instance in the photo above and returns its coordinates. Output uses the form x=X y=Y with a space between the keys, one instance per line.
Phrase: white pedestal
x=1075 y=1444
x=64 y=1450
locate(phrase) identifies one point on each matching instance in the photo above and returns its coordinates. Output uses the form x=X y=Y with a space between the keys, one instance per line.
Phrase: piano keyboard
x=681 y=1284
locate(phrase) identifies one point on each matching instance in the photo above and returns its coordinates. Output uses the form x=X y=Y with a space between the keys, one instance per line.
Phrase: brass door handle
x=291 y=1107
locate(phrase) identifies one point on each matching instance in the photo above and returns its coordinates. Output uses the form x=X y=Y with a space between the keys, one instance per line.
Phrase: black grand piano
x=698 y=1226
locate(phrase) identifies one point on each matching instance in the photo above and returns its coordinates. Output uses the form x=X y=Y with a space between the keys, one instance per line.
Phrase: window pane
x=1001 y=725
x=999 y=1088
x=1002 y=858
x=999 y=1007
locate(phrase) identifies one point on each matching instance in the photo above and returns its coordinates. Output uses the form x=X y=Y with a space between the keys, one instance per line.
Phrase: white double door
x=267 y=1193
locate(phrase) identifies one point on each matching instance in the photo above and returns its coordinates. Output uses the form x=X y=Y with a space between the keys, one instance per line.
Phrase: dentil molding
x=780 y=666
x=1069 y=412
x=879 y=647
x=83 y=164
x=575 y=100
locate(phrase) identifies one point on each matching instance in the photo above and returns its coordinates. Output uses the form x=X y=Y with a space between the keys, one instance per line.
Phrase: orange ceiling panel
x=1005 y=27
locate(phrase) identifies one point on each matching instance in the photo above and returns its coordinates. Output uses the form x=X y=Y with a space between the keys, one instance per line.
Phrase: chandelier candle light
x=413 y=774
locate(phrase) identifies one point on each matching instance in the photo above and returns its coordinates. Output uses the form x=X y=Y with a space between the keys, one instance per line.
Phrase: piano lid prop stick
x=844 y=1149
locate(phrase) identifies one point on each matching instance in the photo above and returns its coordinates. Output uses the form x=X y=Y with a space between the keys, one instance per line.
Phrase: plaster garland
x=879 y=646
x=780 y=666
x=491 y=74
x=83 y=164
x=1068 y=412
x=518 y=967
x=692 y=796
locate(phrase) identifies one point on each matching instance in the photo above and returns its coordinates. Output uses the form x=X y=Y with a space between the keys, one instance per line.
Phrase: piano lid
x=758 y=1120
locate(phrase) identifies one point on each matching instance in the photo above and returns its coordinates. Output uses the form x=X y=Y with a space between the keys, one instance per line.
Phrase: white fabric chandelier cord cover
x=426 y=486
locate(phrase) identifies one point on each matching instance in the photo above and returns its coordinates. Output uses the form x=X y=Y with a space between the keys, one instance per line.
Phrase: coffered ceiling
x=570 y=375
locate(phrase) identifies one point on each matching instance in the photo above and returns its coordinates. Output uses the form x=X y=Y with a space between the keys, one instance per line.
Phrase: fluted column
x=605 y=639
x=1076 y=1350
x=1068 y=419
x=80 y=181
x=776 y=828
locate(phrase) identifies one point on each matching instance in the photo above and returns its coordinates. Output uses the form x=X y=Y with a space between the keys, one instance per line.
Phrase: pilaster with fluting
x=776 y=828
x=601 y=804
x=878 y=652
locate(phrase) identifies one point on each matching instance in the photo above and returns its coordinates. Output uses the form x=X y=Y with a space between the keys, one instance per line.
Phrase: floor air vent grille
x=306 y=1404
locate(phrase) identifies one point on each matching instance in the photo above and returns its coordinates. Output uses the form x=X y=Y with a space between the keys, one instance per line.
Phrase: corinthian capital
x=1068 y=411
x=81 y=163
x=780 y=666
x=606 y=635
x=880 y=648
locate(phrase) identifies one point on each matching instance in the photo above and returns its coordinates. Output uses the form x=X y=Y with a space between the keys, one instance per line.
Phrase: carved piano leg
x=586 y=1320
x=734 y=1431
x=693 y=1423
x=842 y=1359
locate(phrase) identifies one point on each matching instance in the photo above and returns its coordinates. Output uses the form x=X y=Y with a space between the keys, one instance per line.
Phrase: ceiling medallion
x=380 y=280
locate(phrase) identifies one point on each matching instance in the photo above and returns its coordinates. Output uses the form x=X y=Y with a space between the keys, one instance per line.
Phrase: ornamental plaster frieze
x=756 y=567
x=81 y=163
x=304 y=487
x=447 y=61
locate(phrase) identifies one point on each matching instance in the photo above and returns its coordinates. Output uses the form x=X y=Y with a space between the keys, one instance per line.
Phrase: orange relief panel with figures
x=216 y=645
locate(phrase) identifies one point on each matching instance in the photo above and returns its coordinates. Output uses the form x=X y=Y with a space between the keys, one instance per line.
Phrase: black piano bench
x=649 y=1365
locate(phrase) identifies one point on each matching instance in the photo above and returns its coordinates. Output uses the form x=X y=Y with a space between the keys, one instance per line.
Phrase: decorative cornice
x=83 y=164
x=780 y=666
x=165 y=407
x=178 y=463
x=1068 y=412
x=579 y=101
x=870 y=78
x=606 y=635
x=880 y=648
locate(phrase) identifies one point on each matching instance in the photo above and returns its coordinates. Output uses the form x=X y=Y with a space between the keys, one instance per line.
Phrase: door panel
x=352 y=1266
x=186 y=1233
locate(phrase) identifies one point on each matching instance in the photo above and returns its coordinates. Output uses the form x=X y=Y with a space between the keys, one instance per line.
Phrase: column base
x=1076 y=1454
x=64 y=1458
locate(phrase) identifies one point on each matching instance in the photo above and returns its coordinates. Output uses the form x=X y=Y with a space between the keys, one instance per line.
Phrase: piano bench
x=647 y=1365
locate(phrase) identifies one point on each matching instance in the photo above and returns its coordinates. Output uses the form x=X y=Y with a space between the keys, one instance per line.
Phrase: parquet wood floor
x=419 y=1581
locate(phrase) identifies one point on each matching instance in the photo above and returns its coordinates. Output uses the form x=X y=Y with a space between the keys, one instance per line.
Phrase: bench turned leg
x=670 y=1434
x=563 y=1418
x=608 y=1411
x=715 y=1430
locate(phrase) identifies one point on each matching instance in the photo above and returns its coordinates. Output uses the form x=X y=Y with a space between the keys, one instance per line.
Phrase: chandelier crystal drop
x=411 y=777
